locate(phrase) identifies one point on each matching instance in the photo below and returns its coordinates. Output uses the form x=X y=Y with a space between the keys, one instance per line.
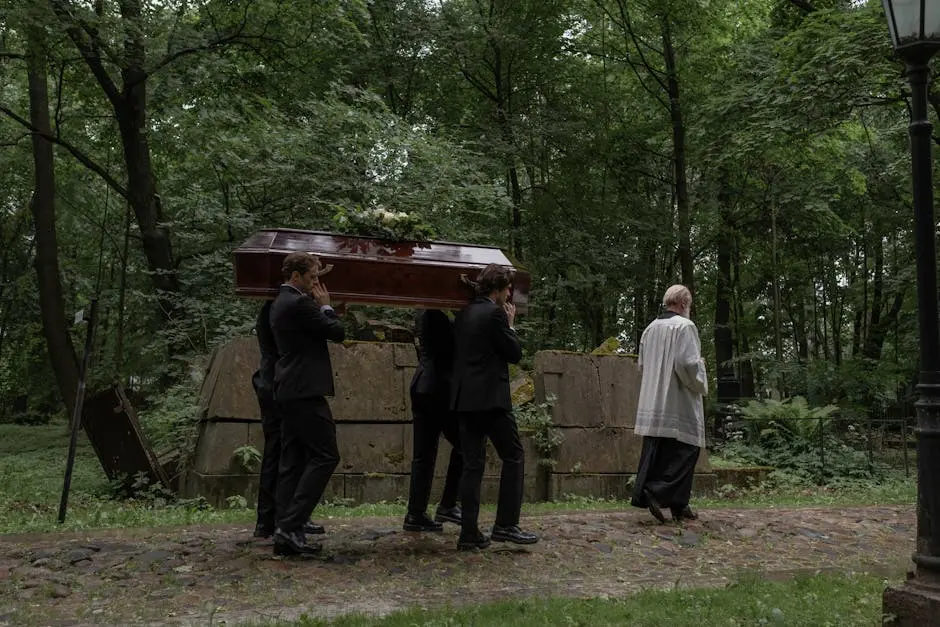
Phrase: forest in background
x=754 y=150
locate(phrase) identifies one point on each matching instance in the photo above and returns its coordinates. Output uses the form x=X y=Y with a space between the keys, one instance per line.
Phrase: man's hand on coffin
x=320 y=294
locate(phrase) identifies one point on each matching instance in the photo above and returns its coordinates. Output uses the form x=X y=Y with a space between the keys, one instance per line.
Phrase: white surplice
x=674 y=382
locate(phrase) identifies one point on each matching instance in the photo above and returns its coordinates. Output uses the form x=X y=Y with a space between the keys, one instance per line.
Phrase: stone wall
x=595 y=405
x=372 y=408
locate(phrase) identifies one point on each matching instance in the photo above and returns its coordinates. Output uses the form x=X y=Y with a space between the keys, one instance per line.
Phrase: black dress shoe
x=653 y=507
x=684 y=514
x=421 y=522
x=293 y=543
x=472 y=542
x=513 y=534
x=313 y=528
x=449 y=514
x=263 y=531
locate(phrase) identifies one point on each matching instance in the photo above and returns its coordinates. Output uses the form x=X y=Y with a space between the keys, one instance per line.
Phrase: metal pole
x=77 y=411
x=927 y=554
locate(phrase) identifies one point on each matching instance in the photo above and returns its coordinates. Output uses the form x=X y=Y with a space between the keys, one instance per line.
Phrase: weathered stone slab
x=217 y=488
x=613 y=486
x=256 y=436
x=573 y=380
x=375 y=488
x=601 y=450
x=227 y=391
x=605 y=450
x=533 y=491
x=910 y=605
x=493 y=465
x=216 y=445
x=589 y=390
x=369 y=384
x=405 y=355
x=371 y=380
x=373 y=448
x=619 y=387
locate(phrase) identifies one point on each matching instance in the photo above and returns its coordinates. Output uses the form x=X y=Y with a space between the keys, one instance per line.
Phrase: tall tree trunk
x=131 y=114
x=778 y=340
x=122 y=295
x=872 y=349
x=129 y=102
x=55 y=325
x=836 y=317
x=678 y=157
x=724 y=340
x=503 y=111
x=745 y=368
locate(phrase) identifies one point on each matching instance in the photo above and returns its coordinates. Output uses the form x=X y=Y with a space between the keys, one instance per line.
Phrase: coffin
x=373 y=271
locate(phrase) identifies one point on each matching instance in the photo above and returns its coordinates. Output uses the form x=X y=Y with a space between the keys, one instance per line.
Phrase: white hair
x=677 y=296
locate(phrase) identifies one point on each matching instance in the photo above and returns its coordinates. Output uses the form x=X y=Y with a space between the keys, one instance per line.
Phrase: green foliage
x=544 y=126
x=247 y=457
x=535 y=419
x=172 y=421
x=798 y=441
x=379 y=222
x=237 y=501
x=791 y=420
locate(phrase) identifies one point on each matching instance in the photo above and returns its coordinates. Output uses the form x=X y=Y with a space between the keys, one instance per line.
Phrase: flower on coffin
x=379 y=222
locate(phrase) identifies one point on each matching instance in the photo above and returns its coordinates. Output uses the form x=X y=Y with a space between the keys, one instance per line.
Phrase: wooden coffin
x=374 y=271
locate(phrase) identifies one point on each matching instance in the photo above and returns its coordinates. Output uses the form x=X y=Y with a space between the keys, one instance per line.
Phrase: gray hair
x=677 y=296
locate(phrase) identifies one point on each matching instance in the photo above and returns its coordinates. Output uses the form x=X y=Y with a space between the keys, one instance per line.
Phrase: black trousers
x=267 y=493
x=500 y=427
x=309 y=456
x=432 y=418
x=666 y=470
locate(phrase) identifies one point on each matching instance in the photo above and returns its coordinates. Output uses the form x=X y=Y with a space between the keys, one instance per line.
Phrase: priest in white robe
x=670 y=413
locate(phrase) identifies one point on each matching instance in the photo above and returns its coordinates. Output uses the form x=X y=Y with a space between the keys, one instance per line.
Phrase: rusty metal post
x=77 y=412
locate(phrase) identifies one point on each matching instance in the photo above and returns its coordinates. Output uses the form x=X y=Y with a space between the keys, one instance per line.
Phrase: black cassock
x=666 y=470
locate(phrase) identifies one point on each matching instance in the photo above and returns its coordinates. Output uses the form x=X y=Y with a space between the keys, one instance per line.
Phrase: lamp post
x=915 y=32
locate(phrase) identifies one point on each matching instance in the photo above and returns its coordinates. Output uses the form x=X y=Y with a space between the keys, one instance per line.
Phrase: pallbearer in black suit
x=486 y=344
x=263 y=382
x=302 y=321
x=430 y=408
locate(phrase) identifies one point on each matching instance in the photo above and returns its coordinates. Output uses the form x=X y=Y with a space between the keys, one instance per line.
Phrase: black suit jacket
x=435 y=355
x=484 y=348
x=263 y=379
x=303 y=368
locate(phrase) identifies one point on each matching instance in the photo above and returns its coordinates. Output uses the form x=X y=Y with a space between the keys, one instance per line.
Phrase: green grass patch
x=818 y=601
x=32 y=467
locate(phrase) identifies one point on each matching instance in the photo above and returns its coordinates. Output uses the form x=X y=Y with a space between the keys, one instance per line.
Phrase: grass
x=32 y=466
x=821 y=600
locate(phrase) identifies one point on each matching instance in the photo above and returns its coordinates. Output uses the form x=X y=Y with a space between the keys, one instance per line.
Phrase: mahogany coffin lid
x=371 y=270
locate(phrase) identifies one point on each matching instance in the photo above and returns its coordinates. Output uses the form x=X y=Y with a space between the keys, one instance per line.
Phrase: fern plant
x=791 y=420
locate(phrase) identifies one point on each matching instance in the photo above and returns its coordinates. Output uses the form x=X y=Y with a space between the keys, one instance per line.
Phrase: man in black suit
x=263 y=382
x=302 y=321
x=486 y=344
x=430 y=408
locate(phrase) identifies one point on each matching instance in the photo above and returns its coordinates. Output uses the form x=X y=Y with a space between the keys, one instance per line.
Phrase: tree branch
x=88 y=50
x=84 y=159
x=479 y=85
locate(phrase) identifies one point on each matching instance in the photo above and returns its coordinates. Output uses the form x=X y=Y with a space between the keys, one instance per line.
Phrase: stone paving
x=209 y=574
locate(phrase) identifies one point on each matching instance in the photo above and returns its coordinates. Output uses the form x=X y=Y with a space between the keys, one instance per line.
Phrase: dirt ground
x=220 y=575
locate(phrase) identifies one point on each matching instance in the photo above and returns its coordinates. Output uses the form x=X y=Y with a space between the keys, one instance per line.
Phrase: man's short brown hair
x=494 y=278
x=297 y=262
